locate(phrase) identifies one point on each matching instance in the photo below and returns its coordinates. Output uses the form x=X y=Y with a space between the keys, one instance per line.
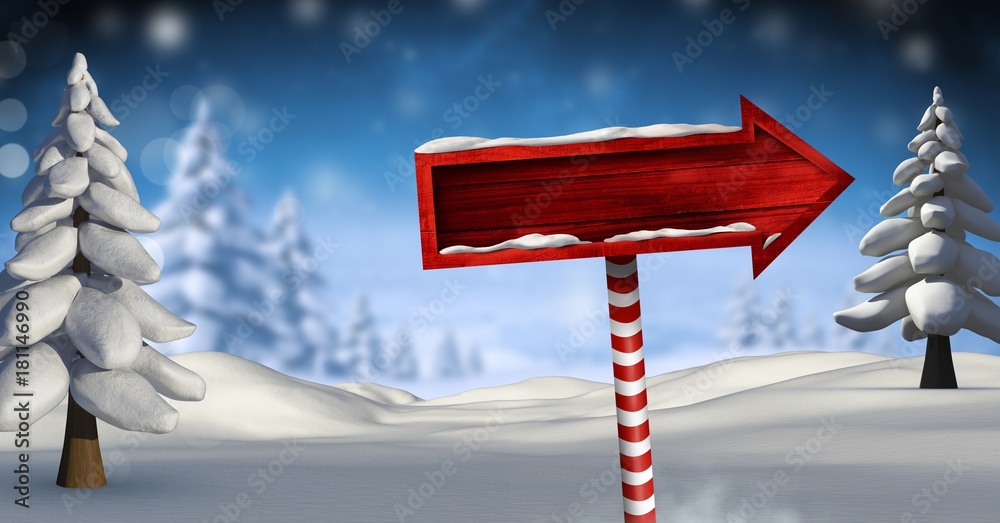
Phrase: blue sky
x=358 y=117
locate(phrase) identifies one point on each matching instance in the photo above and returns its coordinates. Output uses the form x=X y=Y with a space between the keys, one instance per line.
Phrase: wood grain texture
x=762 y=174
x=81 y=465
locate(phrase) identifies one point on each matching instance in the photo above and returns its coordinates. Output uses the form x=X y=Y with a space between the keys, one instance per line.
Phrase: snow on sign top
x=662 y=130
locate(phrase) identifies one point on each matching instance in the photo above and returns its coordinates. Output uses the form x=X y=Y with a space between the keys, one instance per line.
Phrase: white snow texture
x=542 y=241
x=936 y=285
x=465 y=143
x=528 y=242
x=103 y=315
x=722 y=431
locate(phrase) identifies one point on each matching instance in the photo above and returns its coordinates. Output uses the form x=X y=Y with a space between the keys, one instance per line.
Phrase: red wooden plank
x=762 y=174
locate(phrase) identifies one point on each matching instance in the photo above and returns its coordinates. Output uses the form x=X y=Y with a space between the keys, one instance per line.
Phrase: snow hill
x=798 y=436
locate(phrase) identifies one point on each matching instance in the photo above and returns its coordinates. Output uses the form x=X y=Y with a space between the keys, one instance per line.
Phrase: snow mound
x=534 y=388
x=248 y=401
x=755 y=397
x=379 y=393
x=727 y=377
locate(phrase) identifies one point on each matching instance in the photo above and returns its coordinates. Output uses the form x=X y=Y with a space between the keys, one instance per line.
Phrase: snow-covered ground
x=803 y=436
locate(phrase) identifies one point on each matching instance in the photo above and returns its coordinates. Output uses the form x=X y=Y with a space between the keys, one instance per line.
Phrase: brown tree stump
x=81 y=465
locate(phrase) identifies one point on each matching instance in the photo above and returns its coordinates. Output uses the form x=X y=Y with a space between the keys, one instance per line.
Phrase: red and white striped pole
x=634 y=447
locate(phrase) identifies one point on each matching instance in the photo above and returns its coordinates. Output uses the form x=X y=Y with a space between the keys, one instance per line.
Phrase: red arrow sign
x=761 y=174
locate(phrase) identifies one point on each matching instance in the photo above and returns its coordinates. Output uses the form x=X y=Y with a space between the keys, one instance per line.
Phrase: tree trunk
x=939 y=370
x=81 y=465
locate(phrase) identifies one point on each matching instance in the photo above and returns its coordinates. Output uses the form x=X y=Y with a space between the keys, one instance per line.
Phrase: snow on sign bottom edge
x=542 y=241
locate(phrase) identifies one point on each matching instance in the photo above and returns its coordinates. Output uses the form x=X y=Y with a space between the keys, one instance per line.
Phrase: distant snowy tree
x=309 y=334
x=783 y=332
x=742 y=325
x=405 y=365
x=474 y=362
x=814 y=336
x=449 y=360
x=71 y=301
x=361 y=347
x=216 y=269
x=936 y=284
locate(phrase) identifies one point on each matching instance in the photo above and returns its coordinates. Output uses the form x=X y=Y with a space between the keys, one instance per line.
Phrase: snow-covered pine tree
x=783 y=332
x=936 y=285
x=848 y=339
x=474 y=362
x=71 y=298
x=361 y=347
x=216 y=269
x=814 y=337
x=742 y=325
x=449 y=359
x=405 y=366
x=310 y=335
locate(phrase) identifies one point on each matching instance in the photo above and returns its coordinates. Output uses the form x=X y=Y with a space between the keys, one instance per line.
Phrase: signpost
x=758 y=186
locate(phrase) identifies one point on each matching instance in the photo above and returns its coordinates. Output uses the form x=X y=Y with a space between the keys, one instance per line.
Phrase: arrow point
x=762 y=257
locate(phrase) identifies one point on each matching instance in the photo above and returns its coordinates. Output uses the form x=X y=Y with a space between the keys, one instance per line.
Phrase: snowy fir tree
x=742 y=327
x=216 y=269
x=474 y=363
x=449 y=360
x=936 y=284
x=783 y=332
x=309 y=334
x=847 y=339
x=361 y=347
x=404 y=367
x=814 y=336
x=72 y=309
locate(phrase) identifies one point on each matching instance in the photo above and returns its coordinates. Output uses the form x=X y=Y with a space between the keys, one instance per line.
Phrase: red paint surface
x=762 y=174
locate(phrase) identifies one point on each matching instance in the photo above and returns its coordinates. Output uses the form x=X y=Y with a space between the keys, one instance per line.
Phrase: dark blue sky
x=598 y=64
